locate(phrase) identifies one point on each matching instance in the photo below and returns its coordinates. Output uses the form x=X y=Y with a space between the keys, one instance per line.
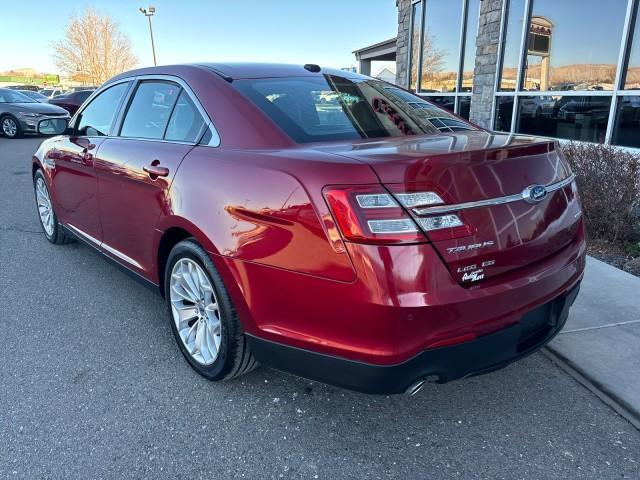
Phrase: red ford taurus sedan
x=320 y=222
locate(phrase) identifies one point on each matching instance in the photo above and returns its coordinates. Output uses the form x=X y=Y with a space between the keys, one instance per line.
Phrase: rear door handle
x=155 y=170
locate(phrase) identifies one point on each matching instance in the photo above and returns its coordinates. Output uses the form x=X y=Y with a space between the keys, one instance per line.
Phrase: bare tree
x=93 y=48
x=433 y=59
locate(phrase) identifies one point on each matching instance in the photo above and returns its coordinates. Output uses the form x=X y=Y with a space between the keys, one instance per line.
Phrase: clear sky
x=290 y=31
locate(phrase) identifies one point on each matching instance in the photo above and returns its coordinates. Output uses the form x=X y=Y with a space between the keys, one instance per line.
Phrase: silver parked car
x=20 y=114
x=51 y=92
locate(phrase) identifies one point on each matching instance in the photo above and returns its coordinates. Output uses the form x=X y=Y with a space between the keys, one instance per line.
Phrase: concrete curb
x=621 y=407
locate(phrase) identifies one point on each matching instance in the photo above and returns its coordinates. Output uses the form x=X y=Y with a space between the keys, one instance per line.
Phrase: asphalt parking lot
x=92 y=385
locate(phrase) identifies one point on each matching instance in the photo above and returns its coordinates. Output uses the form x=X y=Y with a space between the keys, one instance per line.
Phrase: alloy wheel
x=195 y=311
x=44 y=206
x=9 y=127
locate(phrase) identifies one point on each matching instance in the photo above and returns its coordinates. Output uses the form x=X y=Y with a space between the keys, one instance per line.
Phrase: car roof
x=262 y=70
x=233 y=71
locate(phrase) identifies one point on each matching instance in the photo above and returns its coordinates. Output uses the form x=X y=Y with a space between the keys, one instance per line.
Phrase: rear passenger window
x=96 y=119
x=150 y=109
x=186 y=123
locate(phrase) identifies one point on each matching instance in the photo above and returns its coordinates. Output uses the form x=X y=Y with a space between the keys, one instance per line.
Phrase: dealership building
x=567 y=69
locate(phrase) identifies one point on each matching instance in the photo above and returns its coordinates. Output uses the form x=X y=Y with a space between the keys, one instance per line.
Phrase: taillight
x=370 y=214
x=416 y=196
x=373 y=214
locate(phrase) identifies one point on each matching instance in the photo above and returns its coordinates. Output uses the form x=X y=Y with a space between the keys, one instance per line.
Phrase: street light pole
x=150 y=12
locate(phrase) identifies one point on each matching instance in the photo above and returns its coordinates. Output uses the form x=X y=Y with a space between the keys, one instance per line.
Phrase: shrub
x=609 y=183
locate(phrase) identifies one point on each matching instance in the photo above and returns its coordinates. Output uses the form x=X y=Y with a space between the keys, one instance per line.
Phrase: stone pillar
x=402 y=51
x=484 y=76
x=544 y=73
x=365 y=67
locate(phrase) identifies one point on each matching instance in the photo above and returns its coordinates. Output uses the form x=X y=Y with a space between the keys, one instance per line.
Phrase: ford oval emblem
x=534 y=193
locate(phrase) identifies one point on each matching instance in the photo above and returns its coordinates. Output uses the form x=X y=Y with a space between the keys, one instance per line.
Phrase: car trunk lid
x=481 y=178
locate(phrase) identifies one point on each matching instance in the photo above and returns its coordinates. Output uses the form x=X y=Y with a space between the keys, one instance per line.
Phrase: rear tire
x=53 y=231
x=203 y=319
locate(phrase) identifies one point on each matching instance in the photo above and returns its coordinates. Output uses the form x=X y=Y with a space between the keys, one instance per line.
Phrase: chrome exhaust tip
x=415 y=388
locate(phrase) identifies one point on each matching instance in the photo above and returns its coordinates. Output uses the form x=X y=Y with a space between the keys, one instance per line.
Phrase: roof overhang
x=383 y=51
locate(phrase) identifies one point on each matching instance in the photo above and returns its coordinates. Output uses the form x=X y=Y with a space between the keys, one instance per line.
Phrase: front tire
x=52 y=230
x=10 y=127
x=204 y=321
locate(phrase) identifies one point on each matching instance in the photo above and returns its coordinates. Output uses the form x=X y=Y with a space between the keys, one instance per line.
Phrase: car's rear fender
x=266 y=206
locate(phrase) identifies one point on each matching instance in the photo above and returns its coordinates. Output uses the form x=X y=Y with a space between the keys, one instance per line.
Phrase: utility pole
x=150 y=12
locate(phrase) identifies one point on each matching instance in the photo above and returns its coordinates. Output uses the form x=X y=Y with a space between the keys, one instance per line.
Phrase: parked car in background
x=34 y=95
x=629 y=110
x=537 y=107
x=317 y=221
x=33 y=88
x=20 y=114
x=596 y=109
x=71 y=101
x=79 y=89
x=51 y=92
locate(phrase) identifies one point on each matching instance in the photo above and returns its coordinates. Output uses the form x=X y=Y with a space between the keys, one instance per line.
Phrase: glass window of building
x=576 y=118
x=448 y=102
x=471 y=33
x=464 y=107
x=416 y=23
x=572 y=53
x=627 y=128
x=511 y=45
x=632 y=74
x=441 y=46
x=573 y=44
x=449 y=29
x=504 y=113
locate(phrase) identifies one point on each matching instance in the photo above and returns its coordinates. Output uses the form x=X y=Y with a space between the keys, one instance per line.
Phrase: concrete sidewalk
x=601 y=340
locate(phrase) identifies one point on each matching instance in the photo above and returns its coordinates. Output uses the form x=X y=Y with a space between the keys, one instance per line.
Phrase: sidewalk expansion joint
x=598 y=327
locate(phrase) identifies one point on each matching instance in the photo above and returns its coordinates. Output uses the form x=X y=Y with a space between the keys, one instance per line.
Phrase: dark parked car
x=20 y=114
x=321 y=222
x=80 y=89
x=32 y=88
x=38 y=97
x=71 y=101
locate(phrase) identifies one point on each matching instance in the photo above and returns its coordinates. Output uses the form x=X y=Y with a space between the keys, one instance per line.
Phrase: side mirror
x=53 y=126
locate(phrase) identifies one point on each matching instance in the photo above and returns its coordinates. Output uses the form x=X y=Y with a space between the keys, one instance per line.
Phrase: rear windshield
x=328 y=108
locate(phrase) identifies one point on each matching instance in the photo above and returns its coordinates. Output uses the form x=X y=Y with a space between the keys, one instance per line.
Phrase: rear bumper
x=484 y=354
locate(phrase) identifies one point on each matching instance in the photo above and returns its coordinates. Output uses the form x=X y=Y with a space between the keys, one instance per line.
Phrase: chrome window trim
x=552 y=187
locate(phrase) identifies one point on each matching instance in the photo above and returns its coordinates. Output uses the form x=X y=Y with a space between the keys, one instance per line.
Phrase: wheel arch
x=174 y=229
x=35 y=166
x=169 y=239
